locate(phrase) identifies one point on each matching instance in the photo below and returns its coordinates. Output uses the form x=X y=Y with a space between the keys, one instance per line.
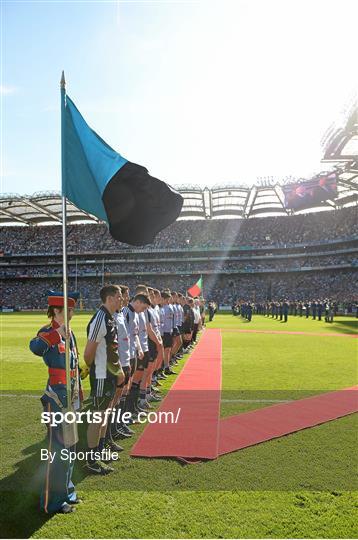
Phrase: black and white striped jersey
x=102 y=329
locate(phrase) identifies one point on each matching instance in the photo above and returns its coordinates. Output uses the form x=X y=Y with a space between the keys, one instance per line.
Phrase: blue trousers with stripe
x=58 y=487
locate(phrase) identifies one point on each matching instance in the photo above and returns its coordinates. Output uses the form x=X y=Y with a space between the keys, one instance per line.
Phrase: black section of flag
x=138 y=205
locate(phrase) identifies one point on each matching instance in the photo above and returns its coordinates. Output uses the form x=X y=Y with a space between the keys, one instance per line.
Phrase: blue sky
x=199 y=92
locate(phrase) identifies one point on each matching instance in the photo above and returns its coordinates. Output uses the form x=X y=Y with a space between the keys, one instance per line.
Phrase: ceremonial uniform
x=285 y=309
x=58 y=490
x=211 y=311
x=319 y=310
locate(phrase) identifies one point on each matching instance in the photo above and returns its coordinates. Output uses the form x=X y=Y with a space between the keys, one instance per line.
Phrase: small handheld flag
x=195 y=290
x=100 y=181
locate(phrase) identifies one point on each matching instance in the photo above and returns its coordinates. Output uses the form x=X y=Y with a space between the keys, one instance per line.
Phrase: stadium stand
x=298 y=257
x=246 y=242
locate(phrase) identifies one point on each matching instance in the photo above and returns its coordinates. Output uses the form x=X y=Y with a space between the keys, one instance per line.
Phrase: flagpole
x=64 y=242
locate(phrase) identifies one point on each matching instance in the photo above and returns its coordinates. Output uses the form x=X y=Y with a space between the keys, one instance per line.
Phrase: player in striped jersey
x=131 y=314
x=202 y=311
x=188 y=324
x=181 y=322
x=168 y=326
x=121 y=429
x=177 y=341
x=144 y=368
x=158 y=370
x=161 y=375
x=154 y=347
x=102 y=357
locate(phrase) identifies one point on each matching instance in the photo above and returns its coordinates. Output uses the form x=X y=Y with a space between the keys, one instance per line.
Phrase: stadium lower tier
x=340 y=286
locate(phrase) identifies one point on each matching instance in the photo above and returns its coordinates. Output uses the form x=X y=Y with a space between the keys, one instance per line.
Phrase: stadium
x=178 y=334
x=248 y=254
x=258 y=258
x=251 y=249
x=247 y=242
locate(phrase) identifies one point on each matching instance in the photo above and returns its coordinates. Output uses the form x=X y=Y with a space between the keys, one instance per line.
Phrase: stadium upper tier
x=199 y=203
x=189 y=235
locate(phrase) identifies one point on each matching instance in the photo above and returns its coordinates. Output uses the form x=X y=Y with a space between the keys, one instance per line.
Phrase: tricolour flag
x=195 y=290
x=100 y=181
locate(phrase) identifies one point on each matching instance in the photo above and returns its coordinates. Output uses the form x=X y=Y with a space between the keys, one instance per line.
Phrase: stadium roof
x=220 y=201
x=340 y=146
x=340 y=142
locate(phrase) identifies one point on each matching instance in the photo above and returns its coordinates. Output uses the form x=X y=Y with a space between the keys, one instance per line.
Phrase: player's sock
x=143 y=394
x=91 y=460
x=101 y=444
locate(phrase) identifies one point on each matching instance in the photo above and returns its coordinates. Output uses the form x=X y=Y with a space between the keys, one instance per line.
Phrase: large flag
x=100 y=181
x=195 y=290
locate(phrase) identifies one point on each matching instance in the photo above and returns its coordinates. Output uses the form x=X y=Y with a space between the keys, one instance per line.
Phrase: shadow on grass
x=20 y=514
x=345 y=327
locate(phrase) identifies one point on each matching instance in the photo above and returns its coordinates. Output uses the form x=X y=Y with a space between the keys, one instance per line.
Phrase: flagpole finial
x=63 y=81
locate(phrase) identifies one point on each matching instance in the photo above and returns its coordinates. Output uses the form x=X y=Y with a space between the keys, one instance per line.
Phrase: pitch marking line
x=256 y=400
x=321 y=334
x=20 y=396
x=222 y=401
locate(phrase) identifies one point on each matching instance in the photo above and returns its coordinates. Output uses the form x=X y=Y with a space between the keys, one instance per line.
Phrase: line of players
x=283 y=308
x=133 y=343
x=142 y=340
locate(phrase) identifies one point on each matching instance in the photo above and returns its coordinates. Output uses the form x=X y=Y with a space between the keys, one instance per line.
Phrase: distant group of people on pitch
x=212 y=309
x=281 y=309
x=317 y=309
x=243 y=308
x=133 y=343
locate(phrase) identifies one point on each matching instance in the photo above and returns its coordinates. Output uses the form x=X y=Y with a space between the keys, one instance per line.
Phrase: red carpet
x=261 y=425
x=199 y=433
x=197 y=393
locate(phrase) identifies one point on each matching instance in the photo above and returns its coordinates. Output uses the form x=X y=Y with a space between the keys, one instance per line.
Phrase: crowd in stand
x=183 y=266
x=340 y=286
x=224 y=279
x=283 y=231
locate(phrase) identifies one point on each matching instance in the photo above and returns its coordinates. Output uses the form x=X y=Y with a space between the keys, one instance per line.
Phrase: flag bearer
x=58 y=494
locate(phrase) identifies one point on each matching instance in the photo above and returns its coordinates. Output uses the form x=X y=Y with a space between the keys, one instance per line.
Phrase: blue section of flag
x=89 y=163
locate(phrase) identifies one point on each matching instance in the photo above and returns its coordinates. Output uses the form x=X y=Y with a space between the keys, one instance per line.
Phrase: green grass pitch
x=301 y=485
